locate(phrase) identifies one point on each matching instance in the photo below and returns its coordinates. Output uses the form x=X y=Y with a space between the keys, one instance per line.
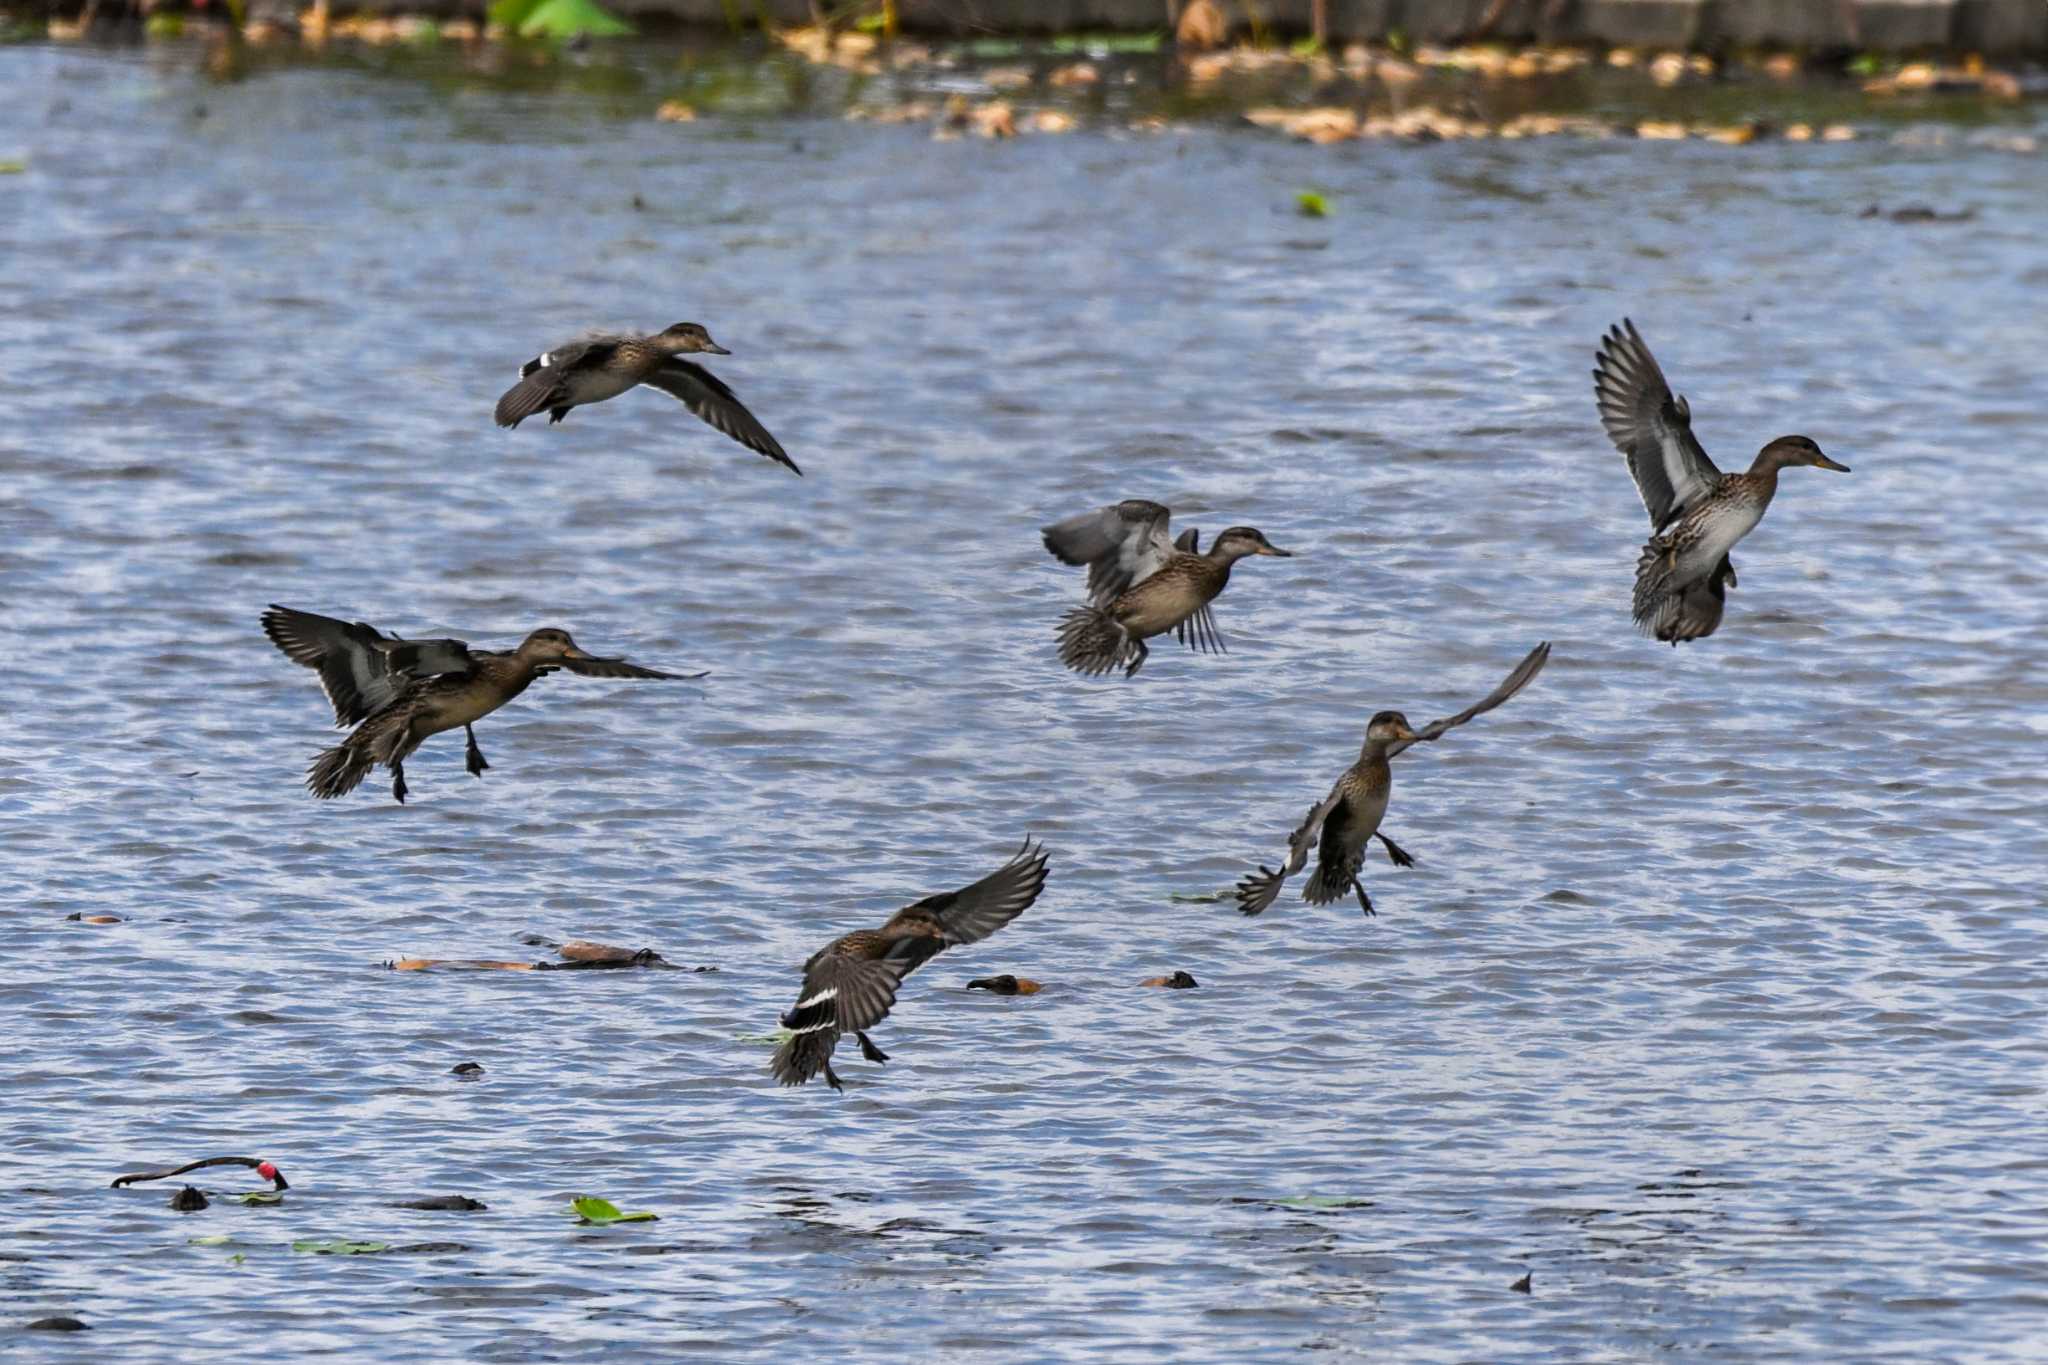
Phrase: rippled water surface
x=1715 y=1004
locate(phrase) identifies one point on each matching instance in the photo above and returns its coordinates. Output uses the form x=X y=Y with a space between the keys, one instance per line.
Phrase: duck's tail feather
x=1675 y=612
x=804 y=1056
x=386 y=738
x=1331 y=881
x=1091 y=641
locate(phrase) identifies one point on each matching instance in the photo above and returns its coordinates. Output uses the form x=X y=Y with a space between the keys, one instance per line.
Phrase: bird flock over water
x=1143 y=583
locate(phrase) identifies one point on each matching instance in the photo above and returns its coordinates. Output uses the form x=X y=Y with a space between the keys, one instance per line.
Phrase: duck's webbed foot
x=1364 y=901
x=1139 y=653
x=1396 y=853
x=832 y=1078
x=869 y=1050
x=398 y=787
x=475 y=757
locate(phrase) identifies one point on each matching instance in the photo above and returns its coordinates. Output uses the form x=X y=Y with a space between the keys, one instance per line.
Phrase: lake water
x=1715 y=1005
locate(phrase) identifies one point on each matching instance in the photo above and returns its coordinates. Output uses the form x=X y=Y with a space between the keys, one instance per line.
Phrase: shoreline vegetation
x=866 y=62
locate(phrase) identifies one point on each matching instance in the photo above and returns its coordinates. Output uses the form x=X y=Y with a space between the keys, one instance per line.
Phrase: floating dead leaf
x=427 y=964
x=676 y=111
x=1074 y=74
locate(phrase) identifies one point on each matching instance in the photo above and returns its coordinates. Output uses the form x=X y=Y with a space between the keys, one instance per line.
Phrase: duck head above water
x=1789 y=451
x=549 y=644
x=1240 y=541
x=1386 y=728
x=688 y=337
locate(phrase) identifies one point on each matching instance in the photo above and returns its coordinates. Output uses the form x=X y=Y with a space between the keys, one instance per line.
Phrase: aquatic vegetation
x=1312 y=204
x=603 y=1213
x=558 y=19
x=314 y=1247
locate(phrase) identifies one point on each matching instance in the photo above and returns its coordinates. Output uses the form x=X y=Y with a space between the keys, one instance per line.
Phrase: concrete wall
x=1995 y=27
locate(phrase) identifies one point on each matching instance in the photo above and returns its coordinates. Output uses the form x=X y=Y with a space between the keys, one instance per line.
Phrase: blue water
x=1716 y=1002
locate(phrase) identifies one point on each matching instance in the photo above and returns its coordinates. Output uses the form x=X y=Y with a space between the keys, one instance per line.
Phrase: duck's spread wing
x=617 y=668
x=706 y=396
x=1651 y=428
x=977 y=910
x=1260 y=889
x=540 y=379
x=1122 y=544
x=1525 y=672
x=362 y=670
x=841 y=994
x=1199 y=633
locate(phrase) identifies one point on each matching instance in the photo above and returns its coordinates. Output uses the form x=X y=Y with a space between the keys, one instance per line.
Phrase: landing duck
x=1697 y=513
x=1142 y=582
x=1341 y=827
x=850 y=984
x=602 y=366
x=397 y=692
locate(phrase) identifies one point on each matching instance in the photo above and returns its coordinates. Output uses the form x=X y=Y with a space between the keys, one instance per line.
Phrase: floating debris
x=1179 y=981
x=577 y=954
x=189 y=1200
x=468 y=1071
x=1919 y=213
x=1311 y=204
x=1005 y=985
x=58 y=1324
x=1522 y=1286
x=676 y=111
x=444 y=1203
x=79 y=916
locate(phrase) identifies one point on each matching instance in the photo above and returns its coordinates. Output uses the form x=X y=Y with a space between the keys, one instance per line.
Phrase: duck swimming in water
x=604 y=366
x=850 y=984
x=1343 y=825
x=398 y=692
x=1142 y=583
x=1697 y=513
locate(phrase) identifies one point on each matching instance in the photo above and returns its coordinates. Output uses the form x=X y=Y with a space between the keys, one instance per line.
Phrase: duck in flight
x=604 y=366
x=396 y=693
x=1142 y=582
x=850 y=984
x=1341 y=827
x=1697 y=513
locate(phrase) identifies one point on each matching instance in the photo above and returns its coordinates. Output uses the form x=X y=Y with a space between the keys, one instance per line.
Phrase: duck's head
x=548 y=644
x=1240 y=541
x=1388 y=727
x=1787 y=451
x=686 y=337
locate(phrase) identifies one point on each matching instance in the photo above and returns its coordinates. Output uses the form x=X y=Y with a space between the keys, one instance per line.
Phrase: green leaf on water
x=1312 y=204
x=257 y=1197
x=602 y=1212
x=1321 y=1201
x=338 y=1248
x=1110 y=42
x=218 y=1239
x=1306 y=47
x=558 y=19
x=13 y=167
x=237 y=1259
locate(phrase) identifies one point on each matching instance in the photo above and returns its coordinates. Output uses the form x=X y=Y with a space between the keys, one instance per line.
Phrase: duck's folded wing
x=1122 y=544
x=1651 y=428
x=1525 y=672
x=706 y=395
x=617 y=668
x=1259 y=890
x=979 y=909
x=361 y=669
x=843 y=994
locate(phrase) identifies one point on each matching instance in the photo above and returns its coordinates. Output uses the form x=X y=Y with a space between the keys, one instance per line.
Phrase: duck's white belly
x=1720 y=529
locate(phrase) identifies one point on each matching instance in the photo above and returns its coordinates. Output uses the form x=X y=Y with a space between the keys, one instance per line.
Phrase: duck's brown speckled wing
x=540 y=385
x=977 y=910
x=842 y=993
x=1650 y=426
x=707 y=396
x=1122 y=544
x=361 y=669
x=1259 y=890
x=1525 y=671
x=617 y=668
